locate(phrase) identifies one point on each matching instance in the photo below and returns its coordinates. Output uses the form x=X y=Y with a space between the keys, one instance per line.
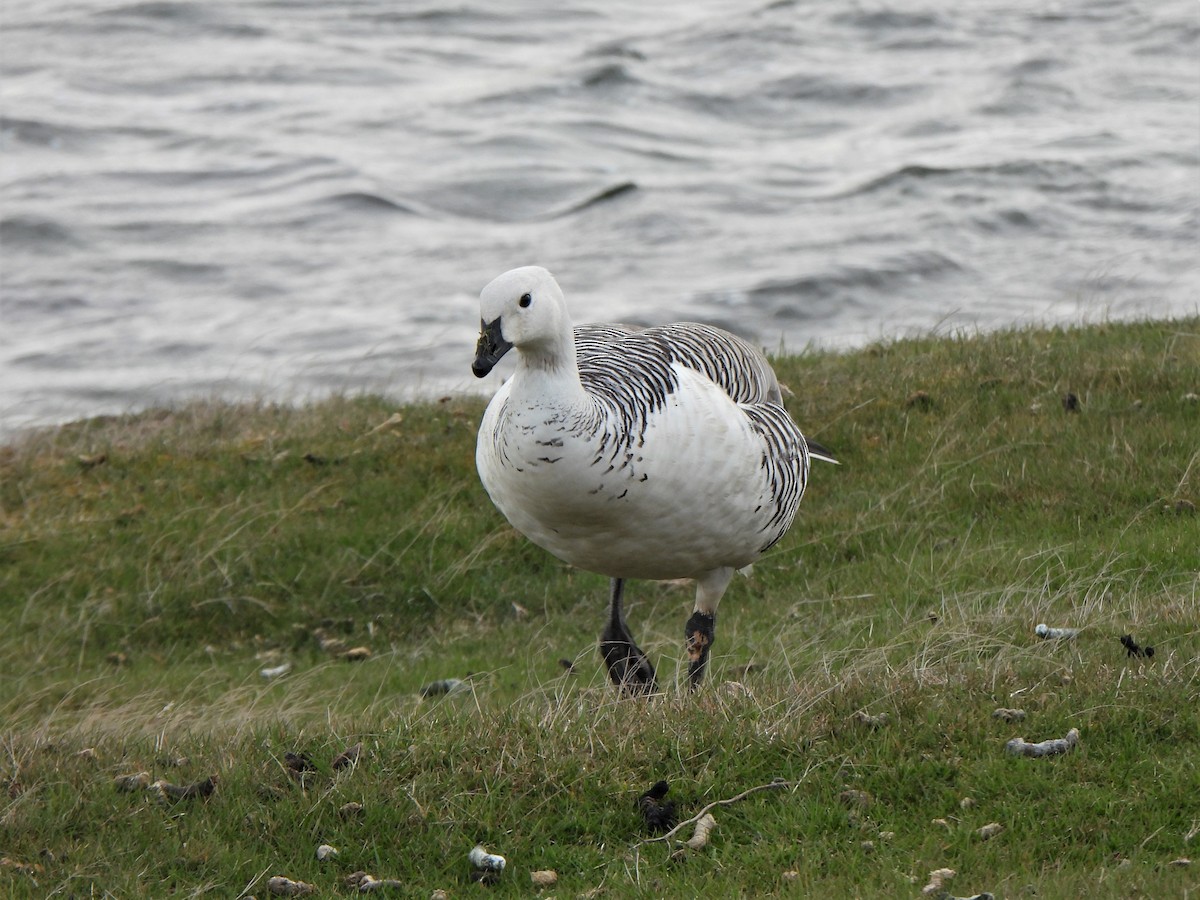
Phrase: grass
x=151 y=565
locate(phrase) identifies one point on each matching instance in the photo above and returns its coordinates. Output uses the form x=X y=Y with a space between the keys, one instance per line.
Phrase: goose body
x=654 y=472
x=659 y=453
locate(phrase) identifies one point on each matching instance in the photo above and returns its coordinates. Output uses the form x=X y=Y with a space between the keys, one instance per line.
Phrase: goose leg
x=628 y=667
x=700 y=631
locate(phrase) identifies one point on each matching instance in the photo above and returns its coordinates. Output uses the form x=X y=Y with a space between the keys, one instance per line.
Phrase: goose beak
x=490 y=348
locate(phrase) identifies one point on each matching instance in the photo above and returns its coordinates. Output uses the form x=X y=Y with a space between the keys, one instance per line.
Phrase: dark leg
x=701 y=627
x=628 y=666
x=699 y=634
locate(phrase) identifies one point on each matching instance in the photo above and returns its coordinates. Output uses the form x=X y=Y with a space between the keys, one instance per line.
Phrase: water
x=281 y=199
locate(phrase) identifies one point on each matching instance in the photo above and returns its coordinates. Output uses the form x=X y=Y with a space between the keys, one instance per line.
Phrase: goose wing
x=738 y=367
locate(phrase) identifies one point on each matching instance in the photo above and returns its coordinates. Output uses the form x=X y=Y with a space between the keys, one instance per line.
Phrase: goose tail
x=821 y=452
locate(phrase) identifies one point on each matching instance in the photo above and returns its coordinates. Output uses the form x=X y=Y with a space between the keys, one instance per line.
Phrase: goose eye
x=525 y=300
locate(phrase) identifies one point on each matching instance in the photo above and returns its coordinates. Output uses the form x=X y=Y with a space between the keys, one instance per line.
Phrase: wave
x=900 y=177
x=342 y=206
x=515 y=197
x=368 y=203
x=36 y=234
x=177 y=270
x=611 y=74
x=833 y=91
x=1008 y=220
x=457 y=16
x=890 y=20
x=823 y=294
x=617 y=50
x=38 y=133
x=1045 y=175
x=195 y=17
x=588 y=80
x=601 y=196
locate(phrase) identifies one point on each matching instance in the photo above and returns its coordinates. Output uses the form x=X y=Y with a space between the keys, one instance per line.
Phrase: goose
x=658 y=453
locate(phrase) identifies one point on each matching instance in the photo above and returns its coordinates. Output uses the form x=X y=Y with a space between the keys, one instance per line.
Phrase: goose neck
x=557 y=383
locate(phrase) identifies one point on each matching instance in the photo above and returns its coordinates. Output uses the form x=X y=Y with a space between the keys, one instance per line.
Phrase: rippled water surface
x=282 y=199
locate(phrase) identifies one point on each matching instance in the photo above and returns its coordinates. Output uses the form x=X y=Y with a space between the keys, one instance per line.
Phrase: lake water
x=282 y=199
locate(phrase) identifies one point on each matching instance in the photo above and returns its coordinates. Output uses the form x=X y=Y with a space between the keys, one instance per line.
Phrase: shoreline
x=416 y=395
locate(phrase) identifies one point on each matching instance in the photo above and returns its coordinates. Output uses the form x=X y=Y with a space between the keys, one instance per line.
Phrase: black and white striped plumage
x=658 y=453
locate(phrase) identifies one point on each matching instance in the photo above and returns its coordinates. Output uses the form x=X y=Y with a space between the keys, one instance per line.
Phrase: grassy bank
x=152 y=566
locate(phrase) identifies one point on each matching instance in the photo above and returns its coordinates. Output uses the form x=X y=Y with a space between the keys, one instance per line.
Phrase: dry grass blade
x=770 y=786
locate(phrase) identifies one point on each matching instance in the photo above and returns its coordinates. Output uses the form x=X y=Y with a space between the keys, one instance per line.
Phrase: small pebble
x=1046 y=633
x=347 y=757
x=369 y=884
x=1009 y=715
x=444 y=686
x=285 y=887
x=334 y=646
x=704 y=827
x=872 y=722
x=735 y=689
x=1053 y=747
x=168 y=791
x=134 y=782
x=937 y=881
x=298 y=765
x=490 y=864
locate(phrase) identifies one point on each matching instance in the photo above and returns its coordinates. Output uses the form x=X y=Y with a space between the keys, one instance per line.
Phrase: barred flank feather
x=630 y=371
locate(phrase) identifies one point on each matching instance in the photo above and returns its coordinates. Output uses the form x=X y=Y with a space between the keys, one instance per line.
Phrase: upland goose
x=660 y=453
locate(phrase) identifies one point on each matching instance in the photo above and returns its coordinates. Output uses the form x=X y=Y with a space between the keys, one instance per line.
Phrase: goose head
x=523 y=308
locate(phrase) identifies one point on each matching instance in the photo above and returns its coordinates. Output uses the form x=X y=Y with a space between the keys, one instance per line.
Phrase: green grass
x=152 y=565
